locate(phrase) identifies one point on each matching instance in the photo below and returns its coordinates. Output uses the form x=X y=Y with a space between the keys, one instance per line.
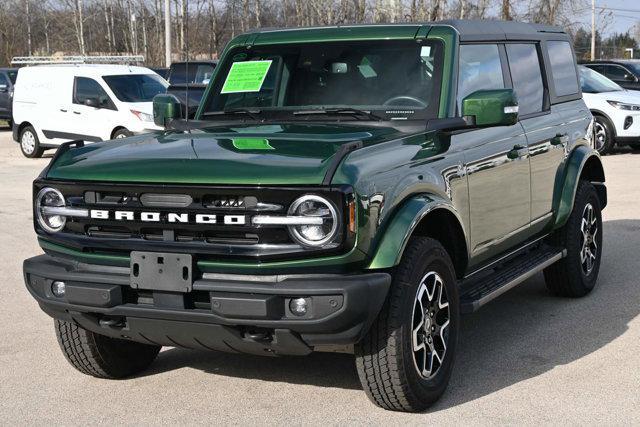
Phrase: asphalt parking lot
x=525 y=358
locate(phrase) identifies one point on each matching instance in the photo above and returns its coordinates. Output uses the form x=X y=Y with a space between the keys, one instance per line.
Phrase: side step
x=477 y=292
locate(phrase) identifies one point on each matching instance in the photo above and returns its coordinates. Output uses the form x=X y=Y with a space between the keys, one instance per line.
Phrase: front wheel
x=604 y=134
x=577 y=273
x=405 y=360
x=29 y=143
x=101 y=356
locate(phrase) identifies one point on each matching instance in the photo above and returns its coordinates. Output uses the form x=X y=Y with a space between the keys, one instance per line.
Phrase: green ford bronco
x=349 y=189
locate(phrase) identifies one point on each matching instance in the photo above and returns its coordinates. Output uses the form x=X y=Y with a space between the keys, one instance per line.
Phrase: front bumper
x=223 y=312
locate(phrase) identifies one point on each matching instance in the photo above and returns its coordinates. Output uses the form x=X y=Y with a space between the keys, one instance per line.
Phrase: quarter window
x=563 y=68
x=480 y=69
x=86 y=88
x=526 y=76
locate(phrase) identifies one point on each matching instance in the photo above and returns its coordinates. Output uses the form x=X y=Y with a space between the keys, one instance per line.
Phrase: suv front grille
x=210 y=221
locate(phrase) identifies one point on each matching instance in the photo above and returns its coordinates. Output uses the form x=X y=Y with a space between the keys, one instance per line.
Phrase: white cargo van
x=53 y=104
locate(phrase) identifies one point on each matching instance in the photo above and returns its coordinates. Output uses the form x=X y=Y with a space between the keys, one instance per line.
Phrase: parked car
x=57 y=103
x=624 y=72
x=162 y=72
x=7 y=82
x=616 y=111
x=350 y=188
x=188 y=81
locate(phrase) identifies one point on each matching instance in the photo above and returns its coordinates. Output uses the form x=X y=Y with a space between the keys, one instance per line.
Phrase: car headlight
x=624 y=106
x=47 y=200
x=143 y=116
x=319 y=234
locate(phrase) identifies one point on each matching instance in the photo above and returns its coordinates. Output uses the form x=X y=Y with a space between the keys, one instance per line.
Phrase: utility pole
x=167 y=33
x=593 y=30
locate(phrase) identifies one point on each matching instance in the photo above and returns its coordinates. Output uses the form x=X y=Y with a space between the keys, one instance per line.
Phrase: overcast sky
x=620 y=21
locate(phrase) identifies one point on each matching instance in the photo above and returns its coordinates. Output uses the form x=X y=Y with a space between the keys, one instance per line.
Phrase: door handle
x=560 y=140
x=63 y=110
x=77 y=112
x=518 y=151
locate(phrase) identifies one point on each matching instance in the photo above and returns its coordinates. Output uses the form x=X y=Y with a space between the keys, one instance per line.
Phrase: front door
x=91 y=123
x=496 y=161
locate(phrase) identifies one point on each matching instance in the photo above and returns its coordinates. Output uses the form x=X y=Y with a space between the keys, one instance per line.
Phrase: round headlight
x=314 y=206
x=50 y=197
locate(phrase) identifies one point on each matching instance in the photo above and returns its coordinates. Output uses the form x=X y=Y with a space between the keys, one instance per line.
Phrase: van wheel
x=577 y=273
x=122 y=133
x=405 y=360
x=603 y=130
x=29 y=143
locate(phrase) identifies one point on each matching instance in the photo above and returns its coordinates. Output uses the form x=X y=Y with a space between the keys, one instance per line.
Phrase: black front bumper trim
x=236 y=313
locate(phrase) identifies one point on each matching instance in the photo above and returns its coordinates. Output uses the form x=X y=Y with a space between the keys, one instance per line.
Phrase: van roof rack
x=107 y=59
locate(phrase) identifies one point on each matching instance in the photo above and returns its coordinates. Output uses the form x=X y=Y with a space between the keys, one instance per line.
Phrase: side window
x=563 y=68
x=616 y=72
x=3 y=80
x=524 y=64
x=85 y=88
x=480 y=69
x=597 y=68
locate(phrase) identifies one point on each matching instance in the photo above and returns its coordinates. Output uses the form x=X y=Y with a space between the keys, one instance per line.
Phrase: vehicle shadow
x=522 y=334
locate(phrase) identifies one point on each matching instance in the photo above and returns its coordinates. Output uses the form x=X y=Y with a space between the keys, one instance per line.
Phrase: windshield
x=594 y=82
x=399 y=80
x=136 y=87
x=192 y=73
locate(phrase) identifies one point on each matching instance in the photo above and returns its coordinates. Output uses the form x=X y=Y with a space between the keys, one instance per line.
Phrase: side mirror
x=630 y=77
x=497 y=107
x=3 y=88
x=166 y=108
x=92 y=102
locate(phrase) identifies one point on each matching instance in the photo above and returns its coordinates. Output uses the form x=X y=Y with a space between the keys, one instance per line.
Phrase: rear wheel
x=604 y=134
x=101 y=356
x=405 y=360
x=122 y=133
x=577 y=273
x=29 y=143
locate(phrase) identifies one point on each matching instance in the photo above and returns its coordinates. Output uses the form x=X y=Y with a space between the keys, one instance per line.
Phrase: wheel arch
x=423 y=215
x=582 y=164
x=20 y=128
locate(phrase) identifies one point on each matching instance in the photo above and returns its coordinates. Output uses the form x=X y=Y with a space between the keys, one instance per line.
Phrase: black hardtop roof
x=468 y=29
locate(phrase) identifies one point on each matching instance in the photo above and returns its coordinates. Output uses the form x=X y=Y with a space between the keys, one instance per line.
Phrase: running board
x=476 y=293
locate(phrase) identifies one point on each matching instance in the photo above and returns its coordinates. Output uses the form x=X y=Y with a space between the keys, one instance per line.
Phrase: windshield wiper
x=253 y=113
x=341 y=110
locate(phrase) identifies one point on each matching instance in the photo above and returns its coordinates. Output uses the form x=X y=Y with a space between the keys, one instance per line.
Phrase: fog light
x=58 y=288
x=298 y=306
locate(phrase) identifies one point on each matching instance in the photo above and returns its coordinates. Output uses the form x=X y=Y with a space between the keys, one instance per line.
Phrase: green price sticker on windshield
x=246 y=76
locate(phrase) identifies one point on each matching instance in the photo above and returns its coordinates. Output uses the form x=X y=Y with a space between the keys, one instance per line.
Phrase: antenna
x=186 y=88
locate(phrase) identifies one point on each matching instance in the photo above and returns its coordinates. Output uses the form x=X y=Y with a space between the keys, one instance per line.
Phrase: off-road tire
x=29 y=138
x=566 y=277
x=609 y=134
x=101 y=356
x=122 y=133
x=384 y=358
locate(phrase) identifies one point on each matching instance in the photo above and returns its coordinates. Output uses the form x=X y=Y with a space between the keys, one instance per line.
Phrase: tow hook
x=112 y=322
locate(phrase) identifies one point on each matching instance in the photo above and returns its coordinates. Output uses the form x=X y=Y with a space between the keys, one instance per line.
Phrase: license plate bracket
x=160 y=271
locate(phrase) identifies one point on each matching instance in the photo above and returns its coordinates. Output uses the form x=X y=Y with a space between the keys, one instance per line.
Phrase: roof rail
x=107 y=59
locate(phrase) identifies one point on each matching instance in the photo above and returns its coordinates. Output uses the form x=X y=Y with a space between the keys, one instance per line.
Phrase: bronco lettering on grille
x=171 y=217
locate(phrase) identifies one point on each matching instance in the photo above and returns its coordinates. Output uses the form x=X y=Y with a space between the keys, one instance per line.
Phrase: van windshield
x=136 y=87
x=594 y=82
x=384 y=79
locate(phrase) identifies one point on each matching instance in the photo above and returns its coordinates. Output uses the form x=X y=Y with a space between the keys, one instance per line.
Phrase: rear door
x=546 y=137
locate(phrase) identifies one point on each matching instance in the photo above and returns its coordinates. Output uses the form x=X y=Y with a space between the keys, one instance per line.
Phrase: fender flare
x=390 y=248
x=567 y=186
